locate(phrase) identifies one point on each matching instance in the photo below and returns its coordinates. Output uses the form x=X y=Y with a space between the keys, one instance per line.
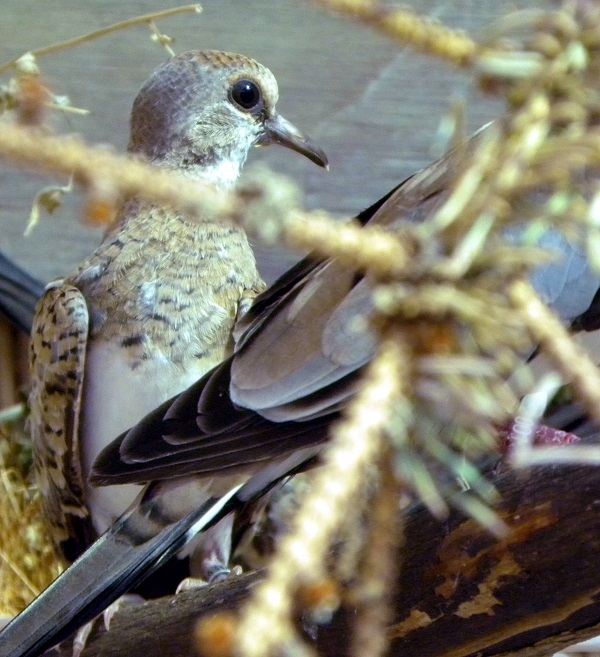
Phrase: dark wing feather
x=19 y=294
x=159 y=448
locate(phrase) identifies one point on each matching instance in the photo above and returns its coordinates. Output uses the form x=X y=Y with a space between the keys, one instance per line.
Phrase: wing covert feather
x=58 y=348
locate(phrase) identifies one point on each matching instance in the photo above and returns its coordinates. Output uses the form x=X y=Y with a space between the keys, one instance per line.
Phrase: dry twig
x=147 y=19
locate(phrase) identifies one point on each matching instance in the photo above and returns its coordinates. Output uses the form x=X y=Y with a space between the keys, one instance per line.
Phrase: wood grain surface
x=461 y=593
x=373 y=107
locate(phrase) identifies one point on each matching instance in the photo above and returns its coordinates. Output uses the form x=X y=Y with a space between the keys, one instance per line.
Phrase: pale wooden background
x=373 y=107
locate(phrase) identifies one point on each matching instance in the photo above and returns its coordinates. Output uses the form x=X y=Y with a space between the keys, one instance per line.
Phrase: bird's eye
x=246 y=94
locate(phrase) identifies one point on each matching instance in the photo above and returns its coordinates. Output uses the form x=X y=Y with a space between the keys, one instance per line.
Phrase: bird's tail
x=121 y=558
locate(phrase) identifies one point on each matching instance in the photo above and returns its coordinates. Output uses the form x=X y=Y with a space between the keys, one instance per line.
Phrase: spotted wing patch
x=58 y=347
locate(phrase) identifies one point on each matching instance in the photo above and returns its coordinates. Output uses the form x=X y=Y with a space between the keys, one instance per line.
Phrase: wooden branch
x=461 y=592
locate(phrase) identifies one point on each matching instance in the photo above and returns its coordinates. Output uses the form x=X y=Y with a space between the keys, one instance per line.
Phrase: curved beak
x=280 y=131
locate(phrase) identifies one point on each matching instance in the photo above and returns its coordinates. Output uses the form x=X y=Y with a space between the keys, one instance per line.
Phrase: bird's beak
x=280 y=131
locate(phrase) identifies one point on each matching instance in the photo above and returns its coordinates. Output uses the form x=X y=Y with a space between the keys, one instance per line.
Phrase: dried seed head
x=214 y=635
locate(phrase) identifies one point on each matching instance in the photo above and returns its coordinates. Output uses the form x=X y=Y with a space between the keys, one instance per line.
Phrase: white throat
x=223 y=174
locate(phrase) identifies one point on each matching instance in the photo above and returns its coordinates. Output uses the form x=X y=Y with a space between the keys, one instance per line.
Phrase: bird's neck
x=219 y=165
x=222 y=174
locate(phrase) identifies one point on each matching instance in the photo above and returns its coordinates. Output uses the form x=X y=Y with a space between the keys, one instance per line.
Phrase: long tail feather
x=119 y=560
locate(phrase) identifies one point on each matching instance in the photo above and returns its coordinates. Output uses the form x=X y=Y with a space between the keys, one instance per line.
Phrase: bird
x=153 y=308
x=265 y=410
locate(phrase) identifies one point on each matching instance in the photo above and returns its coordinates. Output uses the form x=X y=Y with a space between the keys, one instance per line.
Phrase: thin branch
x=381 y=565
x=76 y=41
x=409 y=28
x=110 y=176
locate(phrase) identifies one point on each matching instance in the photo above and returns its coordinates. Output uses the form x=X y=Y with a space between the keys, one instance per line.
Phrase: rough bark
x=461 y=592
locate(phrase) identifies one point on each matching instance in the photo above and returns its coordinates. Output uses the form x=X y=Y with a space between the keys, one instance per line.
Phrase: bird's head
x=202 y=111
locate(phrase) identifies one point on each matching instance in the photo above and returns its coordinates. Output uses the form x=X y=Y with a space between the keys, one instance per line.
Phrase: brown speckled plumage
x=58 y=340
x=142 y=285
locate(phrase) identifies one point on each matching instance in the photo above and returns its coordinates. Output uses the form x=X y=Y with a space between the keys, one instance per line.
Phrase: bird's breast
x=115 y=397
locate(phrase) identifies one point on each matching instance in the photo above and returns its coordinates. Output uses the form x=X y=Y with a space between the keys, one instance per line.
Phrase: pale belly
x=115 y=398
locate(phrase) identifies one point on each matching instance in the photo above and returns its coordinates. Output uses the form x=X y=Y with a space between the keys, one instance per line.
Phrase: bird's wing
x=301 y=340
x=58 y=348
x=19 y=293
x=177 y=439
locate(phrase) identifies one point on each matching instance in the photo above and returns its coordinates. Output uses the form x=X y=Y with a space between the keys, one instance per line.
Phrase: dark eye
x=246 y=94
